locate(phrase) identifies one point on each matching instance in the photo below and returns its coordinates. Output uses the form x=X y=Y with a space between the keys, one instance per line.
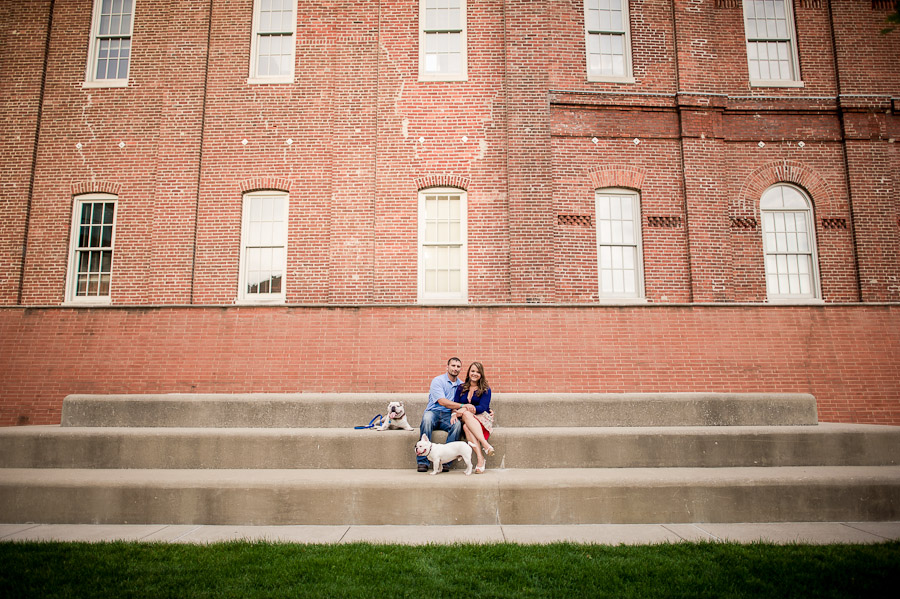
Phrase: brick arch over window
x=263 y=183
x=83 y=187
x=617 y=176
x=457 y=181
x=784 y=171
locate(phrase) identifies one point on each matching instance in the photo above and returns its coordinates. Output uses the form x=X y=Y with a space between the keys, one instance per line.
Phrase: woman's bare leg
x=473 y=441
x=472 y=424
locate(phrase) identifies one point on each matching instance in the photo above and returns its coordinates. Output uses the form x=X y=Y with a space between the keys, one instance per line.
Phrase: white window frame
x=815 y=294
x=253 y=77
x=639 y=295
x=462 y=296
x=628 y=76
x=795 y=80
x=463 y=75
x=74 y=235
x=262 y=298
x=90 y=77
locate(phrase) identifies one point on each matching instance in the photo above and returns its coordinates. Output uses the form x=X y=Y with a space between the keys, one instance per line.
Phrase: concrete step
x=340 y=410
x=552 y=447
x=515 y=496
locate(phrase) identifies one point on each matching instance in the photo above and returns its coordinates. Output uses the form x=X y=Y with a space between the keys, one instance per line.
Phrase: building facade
x=585 y=195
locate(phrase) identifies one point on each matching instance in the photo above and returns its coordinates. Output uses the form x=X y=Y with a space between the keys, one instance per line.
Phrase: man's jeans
x=438 y=421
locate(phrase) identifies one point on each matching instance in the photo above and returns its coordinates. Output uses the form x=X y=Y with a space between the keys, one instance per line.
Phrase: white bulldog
x=396 y=417
x=439 y=453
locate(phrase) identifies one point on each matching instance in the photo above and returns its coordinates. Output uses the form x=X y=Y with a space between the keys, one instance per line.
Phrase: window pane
x=628 y=279
x=615 y=20
x=593 y=20
x=605 y=231
x=616 y=230
x=617 y=261
x=431 y=281
x=605 y=257
x=604 y=20
x=606 y=282
x=615 y=208
x=603 y=210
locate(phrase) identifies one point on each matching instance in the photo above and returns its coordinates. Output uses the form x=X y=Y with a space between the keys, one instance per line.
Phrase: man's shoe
x=447 y=468
x=422 y=468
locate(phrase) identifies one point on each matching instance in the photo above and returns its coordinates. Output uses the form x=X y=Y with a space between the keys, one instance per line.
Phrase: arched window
x=442 y=246
x=789 y=244
x=91 y=249
x=619 y=244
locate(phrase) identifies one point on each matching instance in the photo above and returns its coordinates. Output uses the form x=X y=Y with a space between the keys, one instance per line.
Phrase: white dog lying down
x=439 y=453
x=396 y=417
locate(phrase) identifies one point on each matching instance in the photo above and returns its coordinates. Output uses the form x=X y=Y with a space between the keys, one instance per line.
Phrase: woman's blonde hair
x=483 y=385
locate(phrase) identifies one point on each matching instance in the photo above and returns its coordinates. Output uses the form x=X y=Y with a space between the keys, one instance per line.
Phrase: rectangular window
x=442 y=246
x=110 y=46
x=771 y=49
x=90 y=262
x=264 y=247
x=442 y=40
x=272 y=49
x=607 y=32
x=619 y=244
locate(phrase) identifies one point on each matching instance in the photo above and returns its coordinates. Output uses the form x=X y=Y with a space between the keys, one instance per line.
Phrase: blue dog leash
x=372 y=423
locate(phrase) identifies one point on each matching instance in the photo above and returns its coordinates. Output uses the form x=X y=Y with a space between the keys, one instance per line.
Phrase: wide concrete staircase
x=561 y=459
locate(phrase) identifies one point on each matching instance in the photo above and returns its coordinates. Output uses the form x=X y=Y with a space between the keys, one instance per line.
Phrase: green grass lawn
x=256 y=569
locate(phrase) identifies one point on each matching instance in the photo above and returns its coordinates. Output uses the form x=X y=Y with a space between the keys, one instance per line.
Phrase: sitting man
x=439 y=411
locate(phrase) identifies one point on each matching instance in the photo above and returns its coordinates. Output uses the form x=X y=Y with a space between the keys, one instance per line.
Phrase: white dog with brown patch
x=396 y=417
x=439 y=453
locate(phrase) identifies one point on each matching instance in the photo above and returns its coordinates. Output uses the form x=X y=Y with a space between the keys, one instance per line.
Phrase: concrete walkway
x=606 y=534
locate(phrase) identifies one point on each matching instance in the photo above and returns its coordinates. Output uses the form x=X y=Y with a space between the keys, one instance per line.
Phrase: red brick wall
x=518 y=136
x=846 y=356
x=23 y=26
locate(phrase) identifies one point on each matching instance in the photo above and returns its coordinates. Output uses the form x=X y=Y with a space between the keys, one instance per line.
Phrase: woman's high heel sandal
x=479 y=469
x=489 y=450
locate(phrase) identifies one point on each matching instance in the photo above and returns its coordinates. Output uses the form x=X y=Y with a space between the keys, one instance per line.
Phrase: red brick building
x=586 y=195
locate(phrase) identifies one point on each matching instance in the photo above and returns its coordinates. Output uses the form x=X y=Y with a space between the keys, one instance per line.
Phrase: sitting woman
x=475 y=413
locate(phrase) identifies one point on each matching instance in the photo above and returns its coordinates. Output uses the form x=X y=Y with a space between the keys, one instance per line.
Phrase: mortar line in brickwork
x=843 y=126
x=684 y=199
x=782 y=97
x=888 y=96
x=34 y=153
x=614 y=93
x=209 y=19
